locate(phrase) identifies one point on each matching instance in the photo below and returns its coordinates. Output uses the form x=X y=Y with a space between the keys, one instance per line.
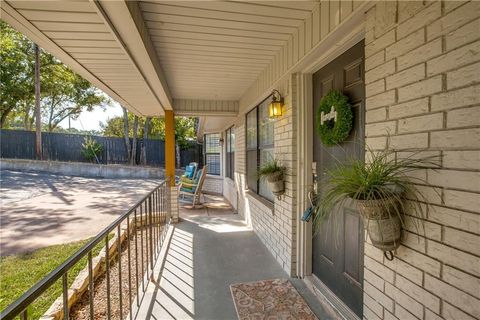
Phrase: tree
x=126 y=132
x=16 y=72
x=184 y=128
x=38 y=115
x=133 y=156
x=153 y=128
x=113 y=127
x=69 y=99
x=143 y=151
x=64 y=93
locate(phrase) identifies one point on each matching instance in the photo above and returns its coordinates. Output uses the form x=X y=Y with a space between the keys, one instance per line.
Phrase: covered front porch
x=409 y=70
x=209 y=249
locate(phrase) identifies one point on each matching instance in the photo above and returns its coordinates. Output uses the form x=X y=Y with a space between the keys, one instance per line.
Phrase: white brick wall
x=274 y=223
x=174 y=204
x=230 y=192
x=422 y=61
x=423 y=93
x=213 y=184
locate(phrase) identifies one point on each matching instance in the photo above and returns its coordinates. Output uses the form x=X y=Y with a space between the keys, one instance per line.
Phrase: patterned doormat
x=269 y=299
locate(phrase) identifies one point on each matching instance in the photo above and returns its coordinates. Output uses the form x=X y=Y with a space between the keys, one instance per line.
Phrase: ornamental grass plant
x=272 y=170
x=384 y=179
x=91 y=149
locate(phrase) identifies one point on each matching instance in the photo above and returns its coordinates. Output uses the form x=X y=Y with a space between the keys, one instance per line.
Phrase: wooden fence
x=20 y=144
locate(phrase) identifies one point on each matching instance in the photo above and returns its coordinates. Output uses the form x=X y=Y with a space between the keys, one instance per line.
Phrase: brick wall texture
x=422 y=75
x=274 y=223
x=213 y=184
x=174 y=207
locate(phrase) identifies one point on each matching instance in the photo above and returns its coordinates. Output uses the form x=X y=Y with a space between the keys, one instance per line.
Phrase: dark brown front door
x=338 y=246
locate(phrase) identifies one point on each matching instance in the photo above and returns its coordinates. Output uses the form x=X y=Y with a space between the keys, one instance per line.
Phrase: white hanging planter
x=276 y=183
x=382 y=223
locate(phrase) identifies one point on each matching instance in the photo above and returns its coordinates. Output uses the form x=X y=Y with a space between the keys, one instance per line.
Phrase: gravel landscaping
x=81 y=310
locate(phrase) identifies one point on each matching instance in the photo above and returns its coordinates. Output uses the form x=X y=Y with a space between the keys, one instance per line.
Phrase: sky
x=91 y=120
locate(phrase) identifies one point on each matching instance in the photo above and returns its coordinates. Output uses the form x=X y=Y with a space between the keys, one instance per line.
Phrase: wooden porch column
x=170 y=146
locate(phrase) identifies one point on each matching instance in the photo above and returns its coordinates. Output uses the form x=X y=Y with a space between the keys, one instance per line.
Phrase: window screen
x=211 y=146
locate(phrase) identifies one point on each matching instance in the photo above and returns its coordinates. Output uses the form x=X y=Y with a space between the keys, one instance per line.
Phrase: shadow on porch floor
x=210 y=249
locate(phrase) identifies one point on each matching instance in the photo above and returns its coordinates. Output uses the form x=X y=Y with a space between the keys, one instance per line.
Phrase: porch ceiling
x=81 y=34
x=215 y=50
x=156 y=56
x=212 y=124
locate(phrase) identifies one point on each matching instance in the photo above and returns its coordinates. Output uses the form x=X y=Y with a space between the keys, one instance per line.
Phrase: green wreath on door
x=334 y=118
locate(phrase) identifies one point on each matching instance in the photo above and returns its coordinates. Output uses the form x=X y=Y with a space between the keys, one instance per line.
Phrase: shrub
x=91 y=149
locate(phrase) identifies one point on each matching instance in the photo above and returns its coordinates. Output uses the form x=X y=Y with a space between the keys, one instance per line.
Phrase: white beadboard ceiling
x=148 y=54
x=215 y=50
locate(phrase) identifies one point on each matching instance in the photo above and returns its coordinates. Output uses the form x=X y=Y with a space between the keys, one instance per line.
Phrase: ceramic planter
x=276 y=183
x=382 y=223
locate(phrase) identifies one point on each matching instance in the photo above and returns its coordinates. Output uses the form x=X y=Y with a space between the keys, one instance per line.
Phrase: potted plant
x=274 y=173
x=380 y=188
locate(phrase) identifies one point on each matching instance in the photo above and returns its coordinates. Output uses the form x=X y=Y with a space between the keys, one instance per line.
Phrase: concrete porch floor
x=210 y=249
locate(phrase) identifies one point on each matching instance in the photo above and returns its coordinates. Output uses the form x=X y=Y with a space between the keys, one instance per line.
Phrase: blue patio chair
x=189 y=173
x=193 y=187
x=191 y=170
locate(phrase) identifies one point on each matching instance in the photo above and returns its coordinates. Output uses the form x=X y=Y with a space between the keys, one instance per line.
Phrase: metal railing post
x=154 y=208
x=90 y=284
x=169 y=201
x=65 y=296
x=151 y=233
x=119 y=256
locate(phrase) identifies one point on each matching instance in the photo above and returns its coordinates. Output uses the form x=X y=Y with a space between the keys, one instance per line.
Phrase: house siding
x=423 y=94
x=322 y=22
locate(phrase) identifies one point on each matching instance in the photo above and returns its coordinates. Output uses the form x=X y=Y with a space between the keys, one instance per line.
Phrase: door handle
x=315 y=177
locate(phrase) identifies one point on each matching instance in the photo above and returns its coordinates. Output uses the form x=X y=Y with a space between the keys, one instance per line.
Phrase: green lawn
x=19 y=272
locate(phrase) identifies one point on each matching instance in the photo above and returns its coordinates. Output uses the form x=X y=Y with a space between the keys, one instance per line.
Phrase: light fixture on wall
x=275 y=109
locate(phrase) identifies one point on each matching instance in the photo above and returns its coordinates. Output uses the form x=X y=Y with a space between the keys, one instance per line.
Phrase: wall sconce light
x=275 y=109
x=220 y=141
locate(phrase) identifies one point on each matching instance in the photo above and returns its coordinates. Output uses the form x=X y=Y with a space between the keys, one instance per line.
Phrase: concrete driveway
x=42 y=209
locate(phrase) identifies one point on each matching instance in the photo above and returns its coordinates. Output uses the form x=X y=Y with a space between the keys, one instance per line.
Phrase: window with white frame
x=260 y=147
x=230 y=153
x=211 y=151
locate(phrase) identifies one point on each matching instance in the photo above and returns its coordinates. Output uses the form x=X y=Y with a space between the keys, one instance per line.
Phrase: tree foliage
x=69 y=99
x=184 y=128
x=63 y=92
x=16 y=73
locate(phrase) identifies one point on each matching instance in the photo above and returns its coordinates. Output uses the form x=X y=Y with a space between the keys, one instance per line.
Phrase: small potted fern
x=274 y=173
x=381 y=189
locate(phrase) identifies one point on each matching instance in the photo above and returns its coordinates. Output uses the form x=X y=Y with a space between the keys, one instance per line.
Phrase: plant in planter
x=274 y=173
x=381 y=189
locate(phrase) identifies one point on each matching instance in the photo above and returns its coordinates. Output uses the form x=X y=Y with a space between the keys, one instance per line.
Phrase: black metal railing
x=143 y=228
